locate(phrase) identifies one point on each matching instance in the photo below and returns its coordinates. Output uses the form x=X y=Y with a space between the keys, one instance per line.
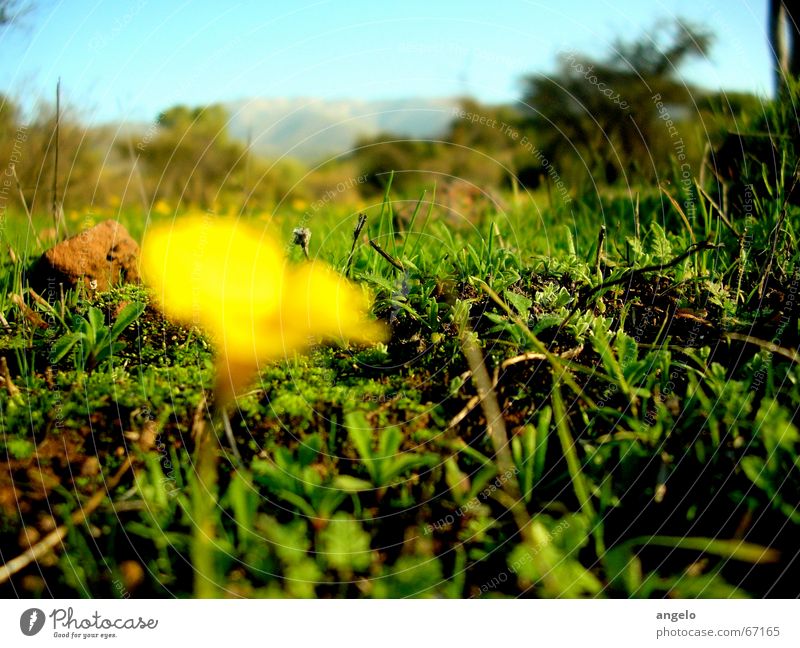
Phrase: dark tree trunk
x=784 y=37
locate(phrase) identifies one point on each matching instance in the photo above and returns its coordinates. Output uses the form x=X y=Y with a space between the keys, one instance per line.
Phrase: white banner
x=401 y=623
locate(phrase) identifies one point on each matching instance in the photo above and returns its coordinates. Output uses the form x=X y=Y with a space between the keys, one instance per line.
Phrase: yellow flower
x=162 y=207
x=233 y=281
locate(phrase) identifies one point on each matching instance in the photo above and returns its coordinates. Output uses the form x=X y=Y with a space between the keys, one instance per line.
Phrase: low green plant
x=92 y=341
x=384 y=461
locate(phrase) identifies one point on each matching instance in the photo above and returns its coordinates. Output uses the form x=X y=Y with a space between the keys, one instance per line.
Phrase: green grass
x=643 y=451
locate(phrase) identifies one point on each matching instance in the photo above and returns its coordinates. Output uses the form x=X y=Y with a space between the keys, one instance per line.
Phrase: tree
x=11 y=10
x=28 y=144
x=191 y=158
x=601 y=116
x=377 y=157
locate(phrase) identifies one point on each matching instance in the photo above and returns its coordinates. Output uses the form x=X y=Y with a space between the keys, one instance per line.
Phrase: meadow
x=587 y=399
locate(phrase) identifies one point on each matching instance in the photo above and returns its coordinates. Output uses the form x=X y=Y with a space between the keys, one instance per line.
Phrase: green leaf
x=360 y=433
x=543 y=563
x=542 y=436
x=271 y=476
x=309 y=450
x=529 y=449
x=520 y=303
x=636 y=246
x=390 y=440
x=456 y=480
x=326 y=501
x=574 y=530
x=627 y=349
x=289 y=540
x=411 y=576
x=299 y=503
x=404 y=463
x=126 y=317
x=481 y=479
x=523 y=451
x=623 y=569
x=344 y=545
x=350 y=484
x=660 y=245
x=579 y=482
x=755 y=470
x=64 y=345
x=244 y=501
x=302 y=577
x=774 y=425
x=96 y=321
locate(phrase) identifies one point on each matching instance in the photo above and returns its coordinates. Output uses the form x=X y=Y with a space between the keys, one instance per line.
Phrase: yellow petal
x=212 y=273
x=232 y=281
x=328 y=306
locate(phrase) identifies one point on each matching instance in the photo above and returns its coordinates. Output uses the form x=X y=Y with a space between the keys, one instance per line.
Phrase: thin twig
x=694 y=248
x=601 y=237
x=740 y=259
x=199 y=420
x=680 y=211
x=532 y=530
x=387 y=256
x=704 y=163
x=27 y=312
x=472 y=403
x=362 y=220
x=524 y=357
x=720 y=211
x=56 y=209
x=226 y=424
x=495 y=424
x=555 y=362
x=5 y=374
x=54 y=538
x=497 y=235
x=790 y=354
x=532 y=355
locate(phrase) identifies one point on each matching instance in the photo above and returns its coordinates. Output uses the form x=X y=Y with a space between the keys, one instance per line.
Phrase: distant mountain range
x=312 y=129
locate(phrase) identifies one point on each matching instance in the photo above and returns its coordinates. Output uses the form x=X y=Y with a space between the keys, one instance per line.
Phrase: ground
x=647 y=447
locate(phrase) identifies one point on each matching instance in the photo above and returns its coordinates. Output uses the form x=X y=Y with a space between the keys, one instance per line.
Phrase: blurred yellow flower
x=162 y=207
x=231 y=280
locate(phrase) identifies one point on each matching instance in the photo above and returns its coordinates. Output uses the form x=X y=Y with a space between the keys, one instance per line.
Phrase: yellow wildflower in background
x=162 y=207
x=233 y=281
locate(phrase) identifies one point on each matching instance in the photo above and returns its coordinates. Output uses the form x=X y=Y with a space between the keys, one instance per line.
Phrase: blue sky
x=128 y=60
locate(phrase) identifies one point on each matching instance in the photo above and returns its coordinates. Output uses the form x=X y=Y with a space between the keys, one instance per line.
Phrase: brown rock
x=101 y=257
